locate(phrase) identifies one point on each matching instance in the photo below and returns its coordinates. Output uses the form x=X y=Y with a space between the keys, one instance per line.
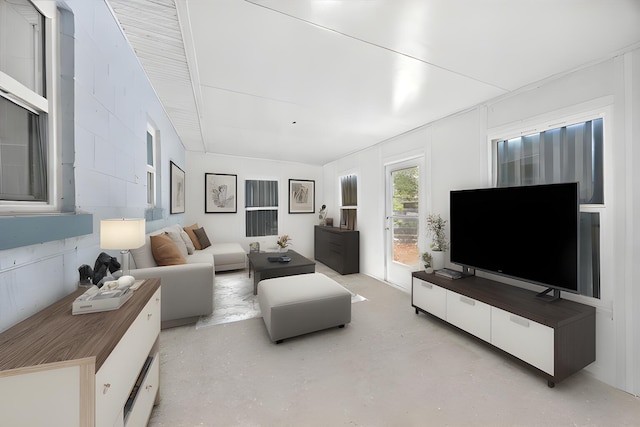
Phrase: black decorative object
x=104 y=263
x=86 y=274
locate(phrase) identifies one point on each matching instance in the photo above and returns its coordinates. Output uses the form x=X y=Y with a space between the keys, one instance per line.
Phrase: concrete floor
x=388 y=367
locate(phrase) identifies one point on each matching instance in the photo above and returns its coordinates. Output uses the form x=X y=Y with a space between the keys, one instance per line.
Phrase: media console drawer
x=429 y=297
x=525 y=339
x=469 y=315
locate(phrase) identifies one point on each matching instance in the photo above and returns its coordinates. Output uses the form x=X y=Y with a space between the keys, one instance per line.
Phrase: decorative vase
x=437 y=260
x=428 y=270
x=282 y=250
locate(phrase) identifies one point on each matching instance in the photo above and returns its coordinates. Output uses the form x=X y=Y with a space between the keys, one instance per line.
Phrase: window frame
x=276 y=208
x=24 y=97
x=596 y=109
x=152 y=169
x=348 y=213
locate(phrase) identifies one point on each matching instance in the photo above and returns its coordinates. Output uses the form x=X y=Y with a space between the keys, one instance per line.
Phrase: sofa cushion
x=175 y=237
x=202 y=237
x=200 y=257
x=189 y=230
x=165 y=251
x=142 y=256
x=227 y=254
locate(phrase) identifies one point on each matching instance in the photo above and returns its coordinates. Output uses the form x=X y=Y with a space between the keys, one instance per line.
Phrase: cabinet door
x=116 y=377
x=469 y=315
x=45 y=397
x=429 y=297
x=523 y=338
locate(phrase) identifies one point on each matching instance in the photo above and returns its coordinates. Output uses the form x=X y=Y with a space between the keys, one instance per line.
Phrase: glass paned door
x=403 y=202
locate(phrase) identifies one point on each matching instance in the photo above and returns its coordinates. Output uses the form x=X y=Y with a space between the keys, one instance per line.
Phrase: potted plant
x=439 y=243
x=283 y=242
x=427 y=261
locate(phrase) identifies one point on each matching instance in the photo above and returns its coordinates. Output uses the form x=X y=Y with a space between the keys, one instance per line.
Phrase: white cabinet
x=57 y=369
x=118 y=374
x=554 y=338
x=429 y=297
x=466 y=313
x=523 y=338
x=469 y=315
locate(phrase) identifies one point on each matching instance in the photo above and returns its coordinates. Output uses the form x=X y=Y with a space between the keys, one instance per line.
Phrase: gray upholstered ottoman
x=296 y=305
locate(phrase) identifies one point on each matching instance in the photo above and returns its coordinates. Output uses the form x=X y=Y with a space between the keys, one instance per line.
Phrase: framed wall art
x=302 y=196
x=220 y=193
x=177 y=190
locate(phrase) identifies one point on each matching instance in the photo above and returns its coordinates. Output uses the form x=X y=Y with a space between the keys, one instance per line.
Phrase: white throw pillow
x=177 y=239
x=187 y=241
x=143 y=257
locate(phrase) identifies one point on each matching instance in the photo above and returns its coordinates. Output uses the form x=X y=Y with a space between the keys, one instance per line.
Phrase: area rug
x=233 y=299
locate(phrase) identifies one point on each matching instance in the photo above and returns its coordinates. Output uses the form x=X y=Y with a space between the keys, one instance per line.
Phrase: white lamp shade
x=122 y=233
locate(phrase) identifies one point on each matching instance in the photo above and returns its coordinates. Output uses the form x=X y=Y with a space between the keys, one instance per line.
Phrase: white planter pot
x=437 y=260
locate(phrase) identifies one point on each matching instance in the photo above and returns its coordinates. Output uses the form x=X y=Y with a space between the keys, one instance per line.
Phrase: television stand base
x=549 y=298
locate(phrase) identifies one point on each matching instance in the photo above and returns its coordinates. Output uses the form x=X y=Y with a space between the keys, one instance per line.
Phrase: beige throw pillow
x=165 y=252
x=192 y=236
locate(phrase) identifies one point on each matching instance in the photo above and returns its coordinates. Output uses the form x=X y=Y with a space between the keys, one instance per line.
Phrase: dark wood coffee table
x=265 y=269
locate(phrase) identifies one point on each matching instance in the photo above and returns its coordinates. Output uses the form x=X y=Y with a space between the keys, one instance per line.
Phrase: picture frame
x=220 y=193
x=302 y=196
x=177 y=189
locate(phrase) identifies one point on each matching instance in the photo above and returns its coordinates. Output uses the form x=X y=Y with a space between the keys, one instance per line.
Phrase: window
x=565 y=154
x=24 y=109
x=261 y=205
x=151 y=166
x=349 y=201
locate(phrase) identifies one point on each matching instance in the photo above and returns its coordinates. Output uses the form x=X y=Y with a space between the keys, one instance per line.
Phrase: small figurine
x=86 y=274
x=322 y=215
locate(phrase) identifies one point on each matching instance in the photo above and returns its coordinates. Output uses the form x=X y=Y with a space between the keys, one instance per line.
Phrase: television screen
x=528 y=233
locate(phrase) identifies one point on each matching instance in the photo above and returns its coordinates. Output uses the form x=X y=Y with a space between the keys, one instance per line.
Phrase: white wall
x=113 y=101
x=457 y=155
x=230 y=227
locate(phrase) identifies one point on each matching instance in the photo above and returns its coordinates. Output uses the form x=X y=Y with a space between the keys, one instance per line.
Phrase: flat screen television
x=529 y=233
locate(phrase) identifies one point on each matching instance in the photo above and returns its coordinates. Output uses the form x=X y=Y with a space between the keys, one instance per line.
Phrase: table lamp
x=122 y=234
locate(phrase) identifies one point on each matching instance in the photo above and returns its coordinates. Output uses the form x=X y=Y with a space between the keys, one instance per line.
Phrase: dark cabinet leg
x=551 y=384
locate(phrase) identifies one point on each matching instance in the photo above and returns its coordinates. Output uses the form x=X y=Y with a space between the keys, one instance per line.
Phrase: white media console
x=555 y=339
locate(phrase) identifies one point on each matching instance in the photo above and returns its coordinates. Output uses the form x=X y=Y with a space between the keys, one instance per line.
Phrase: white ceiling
x=313 y=80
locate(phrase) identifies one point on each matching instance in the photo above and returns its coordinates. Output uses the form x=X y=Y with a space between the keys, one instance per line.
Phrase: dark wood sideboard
x=337 y=248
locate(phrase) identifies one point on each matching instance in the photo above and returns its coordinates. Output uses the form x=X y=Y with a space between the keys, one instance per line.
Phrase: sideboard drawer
x=146 y=395
x=116 y=377
x=429 y=297
x=469 y=315
x=525 y=339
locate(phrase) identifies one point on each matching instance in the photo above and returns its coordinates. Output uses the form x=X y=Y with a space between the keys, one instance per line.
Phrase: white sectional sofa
x=187 y=289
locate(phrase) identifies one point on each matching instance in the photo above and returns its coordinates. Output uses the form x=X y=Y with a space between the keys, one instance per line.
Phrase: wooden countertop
x=55 y=335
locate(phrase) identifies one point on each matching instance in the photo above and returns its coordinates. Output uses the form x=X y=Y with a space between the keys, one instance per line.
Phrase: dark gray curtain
x=261 y=194
x=349 y=190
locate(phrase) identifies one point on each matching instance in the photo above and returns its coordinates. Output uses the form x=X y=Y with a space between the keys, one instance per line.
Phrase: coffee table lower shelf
x=265 y=269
